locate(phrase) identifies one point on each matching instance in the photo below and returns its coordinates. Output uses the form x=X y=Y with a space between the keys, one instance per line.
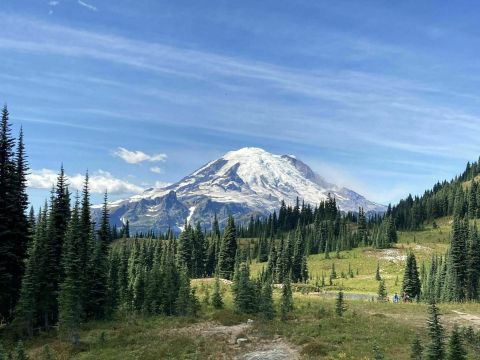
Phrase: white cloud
x=99 y=182
x=137 y=156
x=53 y=3
x=88 y=6
x=161 y=184
x=156 y=169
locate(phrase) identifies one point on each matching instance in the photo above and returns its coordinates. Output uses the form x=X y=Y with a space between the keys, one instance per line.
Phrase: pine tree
x=377 y=273
x=228 y=250
x=71 y=288
x=382 y=291
x=286 y=306
x=457 y=270
x=20 y=226
x=333 y=273
x=99 y=264
x=473 y=265
x=217 y=300
x=340 y=306
x=199 y=252
x=411 y=280
x=245 y=300
x=30 y=302
x=57 y=227
x=416 y=352
x=266 y=301
x=10 y=271
x=298 y=258
x=186 y=302
x=185 y=248
x=456 y=350
x=436 y=347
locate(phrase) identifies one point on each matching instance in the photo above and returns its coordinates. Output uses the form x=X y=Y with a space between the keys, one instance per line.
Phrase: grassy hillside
x=313 y=332
x=363 y=261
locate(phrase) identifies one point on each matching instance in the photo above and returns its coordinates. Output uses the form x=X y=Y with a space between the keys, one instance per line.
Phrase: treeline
x=14 y=227
x=456 y=275
x=65 y=280
x=458 y=197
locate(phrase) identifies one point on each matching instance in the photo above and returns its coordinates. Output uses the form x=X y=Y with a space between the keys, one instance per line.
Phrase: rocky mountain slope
x=241 y=183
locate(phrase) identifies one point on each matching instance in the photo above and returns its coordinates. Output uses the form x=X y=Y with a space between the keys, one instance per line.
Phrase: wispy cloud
x=100 y=181
x=156 y=169
x=88 y=6
x=137 y=156
x=354 y=96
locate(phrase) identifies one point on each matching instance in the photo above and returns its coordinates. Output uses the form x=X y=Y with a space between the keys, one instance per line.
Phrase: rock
x=242 y=341
x=249 y=321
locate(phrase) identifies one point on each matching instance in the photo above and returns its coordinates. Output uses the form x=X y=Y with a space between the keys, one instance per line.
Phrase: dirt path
x=242 y=343
x=473 y=320
x=277 y=350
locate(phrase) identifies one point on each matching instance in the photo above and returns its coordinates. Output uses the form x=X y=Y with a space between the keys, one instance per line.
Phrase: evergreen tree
x=382 y=291
x=185 y=248
x=416 y=352
x=333 y=273
x=377 y=273
x=456 y=349
x=473 y=265
x=411 y=280
x=99 y=264
x=199 y=252
x=72 y=286
x=245 y=300
x=20 y=225
x=228 y=250
x=10 y=263
x=217 y=300
x=32 y=302
x=266 y=301
x=457 y=266
x=57 y=227
x=286 y=306
x=436 y=347
x=340 y=306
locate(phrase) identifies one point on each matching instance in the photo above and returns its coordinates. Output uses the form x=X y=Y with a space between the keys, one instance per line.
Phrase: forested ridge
x=457 y=197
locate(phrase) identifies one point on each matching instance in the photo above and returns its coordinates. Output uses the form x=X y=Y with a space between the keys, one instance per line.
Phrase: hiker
x=405 y=297
x=396 y=299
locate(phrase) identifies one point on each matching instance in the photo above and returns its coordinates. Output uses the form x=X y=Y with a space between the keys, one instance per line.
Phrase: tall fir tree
x=11 y=260
x=411 y=280
x=228 y=250
x=416 y=351
x=217 y=300
x=99 y=266
x=456 y=350
x=340 y=306
x=72 y=286
x=436 y=348
x=245 y=296
x=266 y=307
x=286 y=304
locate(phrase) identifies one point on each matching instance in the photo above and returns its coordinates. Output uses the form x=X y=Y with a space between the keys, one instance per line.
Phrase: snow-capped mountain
x=241 y=183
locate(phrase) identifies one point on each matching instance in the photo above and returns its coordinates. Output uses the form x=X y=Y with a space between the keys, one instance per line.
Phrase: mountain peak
x=242 y=182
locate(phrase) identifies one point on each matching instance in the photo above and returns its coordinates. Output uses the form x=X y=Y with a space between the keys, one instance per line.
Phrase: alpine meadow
x=239 y=180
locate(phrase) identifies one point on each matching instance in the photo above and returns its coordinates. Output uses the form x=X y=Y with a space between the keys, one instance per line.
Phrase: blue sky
x=378 y=96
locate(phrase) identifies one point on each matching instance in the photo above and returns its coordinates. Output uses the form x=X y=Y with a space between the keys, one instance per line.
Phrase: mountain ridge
x=244 y=182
